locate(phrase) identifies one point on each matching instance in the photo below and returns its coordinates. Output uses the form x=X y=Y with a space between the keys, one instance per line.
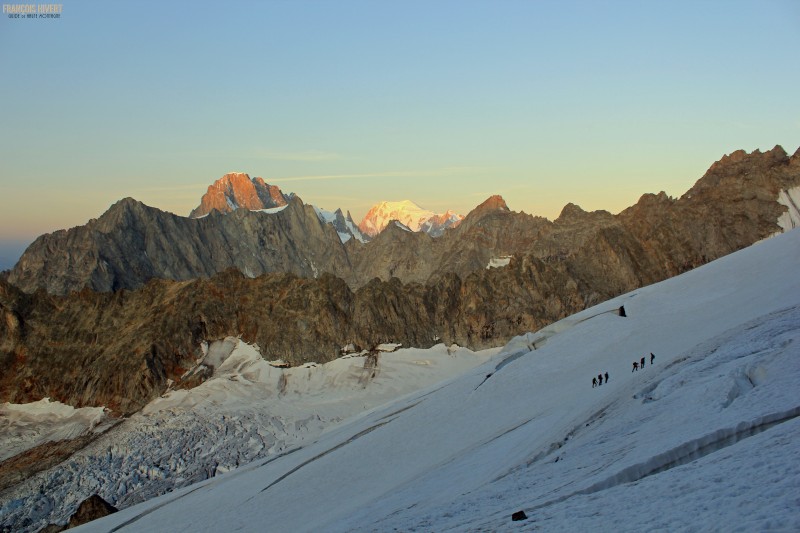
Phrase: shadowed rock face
x=91 y=508
x=119 y=349
x=132 y=243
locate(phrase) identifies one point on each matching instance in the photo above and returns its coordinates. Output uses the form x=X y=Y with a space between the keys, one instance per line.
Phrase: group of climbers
x=597 y=381
x=640 y=364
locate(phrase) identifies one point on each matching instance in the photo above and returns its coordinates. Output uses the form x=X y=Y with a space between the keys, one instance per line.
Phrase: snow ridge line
x=684 y=453
x=323 y=454
x=406 y=408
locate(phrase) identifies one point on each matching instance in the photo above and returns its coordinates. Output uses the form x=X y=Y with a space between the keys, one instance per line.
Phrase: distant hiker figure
x=641 y=364
x=600 y=378
x=635 y=366
x=594 y=382
x=606 y=377
x=652 y=358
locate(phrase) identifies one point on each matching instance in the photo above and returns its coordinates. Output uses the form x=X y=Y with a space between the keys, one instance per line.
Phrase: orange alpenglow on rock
x=237 y=190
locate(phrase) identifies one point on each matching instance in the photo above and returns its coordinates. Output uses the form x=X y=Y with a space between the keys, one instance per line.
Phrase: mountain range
x=658 y=237
x=152 y=286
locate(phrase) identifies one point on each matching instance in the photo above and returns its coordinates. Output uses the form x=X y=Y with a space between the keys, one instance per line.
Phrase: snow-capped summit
x=237 y=189
x=410 y=215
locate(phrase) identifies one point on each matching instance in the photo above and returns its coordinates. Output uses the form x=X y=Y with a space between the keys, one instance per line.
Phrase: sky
x=349 y=103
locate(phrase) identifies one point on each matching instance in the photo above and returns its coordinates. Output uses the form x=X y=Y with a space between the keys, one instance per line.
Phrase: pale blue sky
x=350 y=103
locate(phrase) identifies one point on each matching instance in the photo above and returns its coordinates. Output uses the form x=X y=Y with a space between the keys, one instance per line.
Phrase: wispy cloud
x=174 y=188
x=306 y=155
x=268 y=154
x=431 y=173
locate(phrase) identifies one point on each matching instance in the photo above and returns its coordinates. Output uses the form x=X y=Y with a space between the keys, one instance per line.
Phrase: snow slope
x=706 y=438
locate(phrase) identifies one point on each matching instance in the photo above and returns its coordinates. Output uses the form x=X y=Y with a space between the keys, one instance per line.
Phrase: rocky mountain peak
x=740 y=161
x=493 y=203
x=237 y=190
x=571 y=212
x=120 y=211
x=739 y=168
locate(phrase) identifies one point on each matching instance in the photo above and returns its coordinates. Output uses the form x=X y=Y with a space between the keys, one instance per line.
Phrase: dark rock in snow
x=519 y=515
x=91 y=508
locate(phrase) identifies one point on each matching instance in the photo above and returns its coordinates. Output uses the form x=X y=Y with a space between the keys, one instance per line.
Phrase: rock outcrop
x=91 y=508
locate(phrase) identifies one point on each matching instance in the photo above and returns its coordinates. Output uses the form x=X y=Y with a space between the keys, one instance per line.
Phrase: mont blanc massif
x=266 y=365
